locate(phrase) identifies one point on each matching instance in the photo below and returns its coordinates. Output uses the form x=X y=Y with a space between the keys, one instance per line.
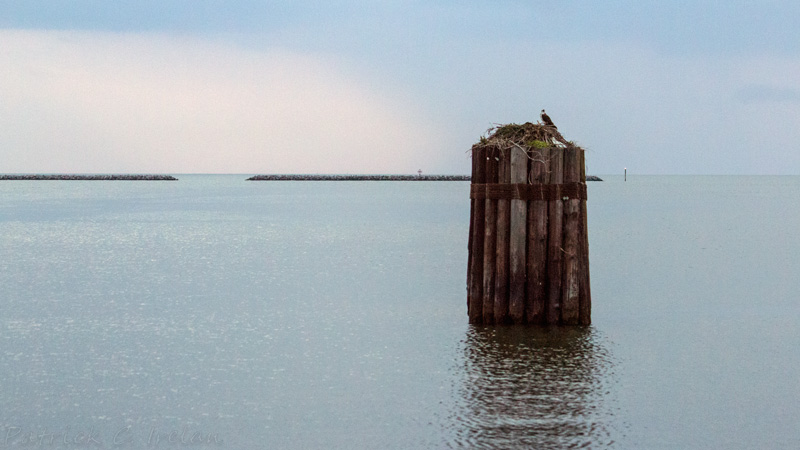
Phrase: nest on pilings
x=528 y=136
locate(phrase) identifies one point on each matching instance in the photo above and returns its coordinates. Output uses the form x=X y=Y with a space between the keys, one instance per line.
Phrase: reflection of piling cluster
x=528 y=245
x=535 y=388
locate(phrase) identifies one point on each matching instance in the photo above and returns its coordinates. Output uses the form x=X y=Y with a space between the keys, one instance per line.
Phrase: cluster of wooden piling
x=528 y=242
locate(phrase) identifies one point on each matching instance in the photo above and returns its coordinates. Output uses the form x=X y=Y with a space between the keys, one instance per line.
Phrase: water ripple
x=533 y=388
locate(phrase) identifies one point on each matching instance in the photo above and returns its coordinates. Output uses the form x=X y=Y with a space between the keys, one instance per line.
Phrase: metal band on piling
x=546 y=192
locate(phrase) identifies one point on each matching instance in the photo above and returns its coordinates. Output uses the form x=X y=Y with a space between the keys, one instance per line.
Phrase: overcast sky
x=246 y=86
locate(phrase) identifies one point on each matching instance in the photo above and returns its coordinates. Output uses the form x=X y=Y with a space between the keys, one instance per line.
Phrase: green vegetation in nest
x=539 y=144
x=528 y=136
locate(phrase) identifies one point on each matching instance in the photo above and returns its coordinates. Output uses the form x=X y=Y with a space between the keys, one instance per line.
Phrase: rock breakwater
x=359 y=178
x=78 y=177
x=278 y=177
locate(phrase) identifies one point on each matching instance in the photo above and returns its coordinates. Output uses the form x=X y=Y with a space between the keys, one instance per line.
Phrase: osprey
x=547 y=121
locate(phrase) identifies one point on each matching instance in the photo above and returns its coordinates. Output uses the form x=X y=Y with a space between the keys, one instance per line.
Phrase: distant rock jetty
x=359 y=178
x=145 y=177
x=75 y=177
x=372 y=178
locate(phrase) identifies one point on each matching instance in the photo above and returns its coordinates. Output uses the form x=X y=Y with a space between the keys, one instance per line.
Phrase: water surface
x=233 y=314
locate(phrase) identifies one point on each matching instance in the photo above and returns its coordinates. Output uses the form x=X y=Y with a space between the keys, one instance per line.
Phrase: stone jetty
x=78 y=177
x=359 y=178
x=278 y=177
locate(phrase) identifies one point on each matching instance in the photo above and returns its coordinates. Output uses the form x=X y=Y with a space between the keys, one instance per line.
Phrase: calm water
x=218 y=313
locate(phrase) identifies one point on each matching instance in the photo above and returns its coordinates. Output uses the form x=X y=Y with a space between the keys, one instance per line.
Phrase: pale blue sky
x=352 y=86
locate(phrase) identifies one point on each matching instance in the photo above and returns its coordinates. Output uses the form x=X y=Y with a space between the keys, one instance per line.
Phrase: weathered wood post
x=528 y=243
x=476 y=238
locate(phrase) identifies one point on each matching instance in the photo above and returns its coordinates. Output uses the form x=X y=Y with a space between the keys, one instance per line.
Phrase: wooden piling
x=536 y=283
x=477 y=225
x=555 y=210
x=584 y=294
x=502 y=246
x=517 y=237
x=490 y=239
x=528 y=259
x=570 y=253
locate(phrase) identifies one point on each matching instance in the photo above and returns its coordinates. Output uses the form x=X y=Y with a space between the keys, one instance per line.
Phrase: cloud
x=114 y=102
x=147 y=102
x=634 y=106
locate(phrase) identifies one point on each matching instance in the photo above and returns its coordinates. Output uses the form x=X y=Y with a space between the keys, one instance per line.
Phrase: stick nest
x=527 y=136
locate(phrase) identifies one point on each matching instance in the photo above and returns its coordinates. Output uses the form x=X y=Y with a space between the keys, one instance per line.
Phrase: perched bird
x=546 y=120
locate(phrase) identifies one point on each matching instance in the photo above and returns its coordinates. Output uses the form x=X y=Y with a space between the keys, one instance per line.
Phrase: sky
x=248 y=87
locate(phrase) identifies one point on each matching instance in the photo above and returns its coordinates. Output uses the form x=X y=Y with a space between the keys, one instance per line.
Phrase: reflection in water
x=534 y=388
